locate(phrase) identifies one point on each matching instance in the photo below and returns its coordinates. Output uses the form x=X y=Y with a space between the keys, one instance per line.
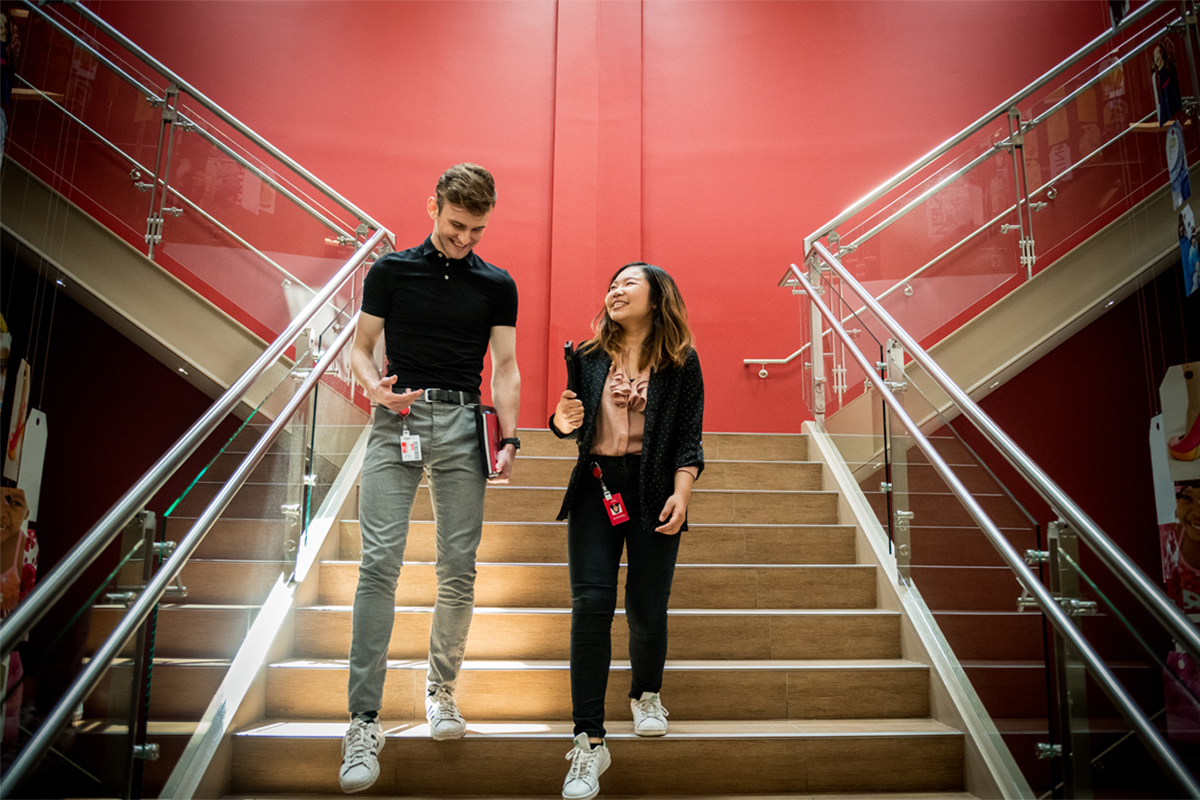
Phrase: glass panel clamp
x=1045 y=750
x=1035 y=557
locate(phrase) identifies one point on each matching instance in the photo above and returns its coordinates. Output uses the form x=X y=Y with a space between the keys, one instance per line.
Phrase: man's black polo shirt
x=438 y=314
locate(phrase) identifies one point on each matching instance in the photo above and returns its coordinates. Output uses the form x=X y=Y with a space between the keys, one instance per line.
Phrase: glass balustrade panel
x=937 y=255
x=243 y=239
x=952 y=253
x=1098 y=145
x=1020 y=669
x=236 y=225
x=918 y=193
x=339 y=417
x=262 y=521
x=856 y=422
x=83 y=130
x=1163 y=682
x=846 y=380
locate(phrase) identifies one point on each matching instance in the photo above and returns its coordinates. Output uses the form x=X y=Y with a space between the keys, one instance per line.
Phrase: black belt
x=450 y=396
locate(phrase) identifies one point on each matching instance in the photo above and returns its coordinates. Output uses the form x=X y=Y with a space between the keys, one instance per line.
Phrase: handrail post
x=899 y=507
x=1189 y=29
x=137 y=714
x=162 y=164
x=1016 y=138
x=817 y=351
x=1070 y=673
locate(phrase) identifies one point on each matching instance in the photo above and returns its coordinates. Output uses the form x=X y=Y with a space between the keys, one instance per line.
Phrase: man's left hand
x=504 y=459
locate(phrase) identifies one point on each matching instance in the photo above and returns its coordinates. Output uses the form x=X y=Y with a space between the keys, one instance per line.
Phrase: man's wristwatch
x=514 y=441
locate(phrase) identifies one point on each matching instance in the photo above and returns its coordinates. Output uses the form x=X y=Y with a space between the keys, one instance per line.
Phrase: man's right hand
x=568 y=415
x=382 y=394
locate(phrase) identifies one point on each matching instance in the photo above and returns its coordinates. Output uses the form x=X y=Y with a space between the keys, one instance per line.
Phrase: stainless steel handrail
x=82 y=686
x=51 y=589
x=228 y=118
x=189 y=124
x=1050 y=607
x=970 y=131
x=1131 y=577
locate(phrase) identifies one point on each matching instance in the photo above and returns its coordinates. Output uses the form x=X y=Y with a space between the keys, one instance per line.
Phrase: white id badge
x=410 y=447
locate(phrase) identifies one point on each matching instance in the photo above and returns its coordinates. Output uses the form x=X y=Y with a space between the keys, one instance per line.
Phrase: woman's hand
x=568 y=415
x=673 y=514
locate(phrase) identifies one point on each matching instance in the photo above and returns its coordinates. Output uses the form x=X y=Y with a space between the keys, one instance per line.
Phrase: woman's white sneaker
x=360 y=755
x=649 y=717
x=588 y=762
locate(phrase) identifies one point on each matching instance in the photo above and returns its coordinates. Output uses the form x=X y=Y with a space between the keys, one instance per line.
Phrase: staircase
x=784 y=674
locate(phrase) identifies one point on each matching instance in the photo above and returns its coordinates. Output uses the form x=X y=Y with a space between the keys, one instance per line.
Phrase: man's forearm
x=506 y=396
x=365 y=371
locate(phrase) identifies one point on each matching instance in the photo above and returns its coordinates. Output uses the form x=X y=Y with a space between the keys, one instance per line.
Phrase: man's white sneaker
x=360 y=755
x=442 y=713
x=649 y=717
x=588 y=762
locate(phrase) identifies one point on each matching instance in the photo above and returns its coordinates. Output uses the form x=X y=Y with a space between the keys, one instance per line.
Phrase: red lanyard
x=613 y=504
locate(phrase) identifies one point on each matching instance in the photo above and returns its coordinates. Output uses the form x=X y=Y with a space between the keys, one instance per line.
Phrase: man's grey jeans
x=451 y=459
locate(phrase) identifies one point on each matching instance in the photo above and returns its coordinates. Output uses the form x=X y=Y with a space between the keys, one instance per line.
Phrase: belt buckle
x=426 y=396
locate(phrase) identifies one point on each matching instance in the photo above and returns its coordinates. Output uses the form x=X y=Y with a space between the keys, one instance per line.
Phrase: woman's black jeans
x=594 y=547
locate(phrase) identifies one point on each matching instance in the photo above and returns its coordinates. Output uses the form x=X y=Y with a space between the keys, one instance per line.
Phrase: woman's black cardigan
x=671 y=439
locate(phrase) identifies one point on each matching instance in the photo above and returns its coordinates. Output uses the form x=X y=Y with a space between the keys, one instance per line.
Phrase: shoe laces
x=652 y=707
x=360 y=743
x=582 y=761
x=443 y=703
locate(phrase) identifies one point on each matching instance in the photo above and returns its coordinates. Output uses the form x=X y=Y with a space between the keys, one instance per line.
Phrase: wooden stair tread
x=160 y=661
x=554 y=796
x=153 y=727
x=720 y=612
x=557 y=729
x=679 y=565
x=193 y=606
x=749 y=664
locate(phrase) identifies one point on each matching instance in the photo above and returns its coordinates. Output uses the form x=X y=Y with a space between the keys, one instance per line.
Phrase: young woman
x=637 y=418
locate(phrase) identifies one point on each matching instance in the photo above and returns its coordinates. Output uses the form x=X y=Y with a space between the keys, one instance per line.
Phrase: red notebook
x=488 y=426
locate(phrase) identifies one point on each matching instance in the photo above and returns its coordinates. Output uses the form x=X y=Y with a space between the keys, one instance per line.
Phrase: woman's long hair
x=670 y=339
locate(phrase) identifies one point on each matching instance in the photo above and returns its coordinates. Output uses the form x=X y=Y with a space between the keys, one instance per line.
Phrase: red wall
x=707 y=137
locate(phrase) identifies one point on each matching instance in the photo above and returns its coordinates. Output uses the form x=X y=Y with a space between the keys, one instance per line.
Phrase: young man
x=438 y=306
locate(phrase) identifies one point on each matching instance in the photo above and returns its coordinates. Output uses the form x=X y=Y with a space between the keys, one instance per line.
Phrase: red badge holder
x=613 y=504
x=410 y=444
